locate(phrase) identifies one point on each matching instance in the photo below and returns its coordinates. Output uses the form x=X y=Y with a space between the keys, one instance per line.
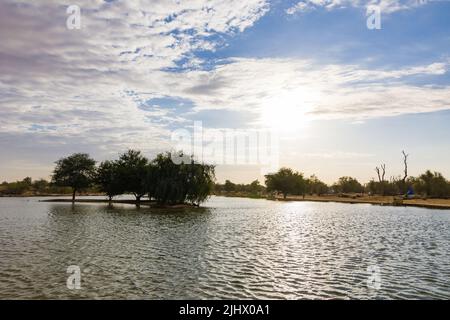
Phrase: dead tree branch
x=405 y=162
x=377 y=169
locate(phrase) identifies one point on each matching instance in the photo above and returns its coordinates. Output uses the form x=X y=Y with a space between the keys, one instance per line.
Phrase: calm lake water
x=233 y=248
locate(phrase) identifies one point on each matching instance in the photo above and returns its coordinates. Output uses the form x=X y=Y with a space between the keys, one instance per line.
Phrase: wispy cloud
x=338 y=155
x=119 y=80
x=386 y=6
x=325 y=91
x=84 y=82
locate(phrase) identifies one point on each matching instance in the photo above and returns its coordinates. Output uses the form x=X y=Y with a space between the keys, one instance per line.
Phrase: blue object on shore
x=410 y=192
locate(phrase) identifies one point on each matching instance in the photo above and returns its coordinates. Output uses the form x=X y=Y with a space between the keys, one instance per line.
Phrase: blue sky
x=342 y=98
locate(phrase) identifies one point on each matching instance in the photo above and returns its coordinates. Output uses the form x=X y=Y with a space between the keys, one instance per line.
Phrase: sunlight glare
x=287 y=111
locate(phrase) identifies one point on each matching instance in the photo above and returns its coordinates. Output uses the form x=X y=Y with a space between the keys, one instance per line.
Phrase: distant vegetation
x=347 y=185
x=254 y=189
x=28 y=186
x=289 y=182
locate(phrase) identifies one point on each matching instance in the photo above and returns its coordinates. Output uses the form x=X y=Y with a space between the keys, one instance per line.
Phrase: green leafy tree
x=254 y=187
x=200 y=181
x=229 y=186
x=108 y=179
x=132 y=172
x=315 y=186
x=187 y=181
x=168 y=187
x=27 y=182
x=373 y=187
x=76 y=171
x=41 y=185
x=348 y=185
x=16 y=188
x=286 y=181
x=432 y=184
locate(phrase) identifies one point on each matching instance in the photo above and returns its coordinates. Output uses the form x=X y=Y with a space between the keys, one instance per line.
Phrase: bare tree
x=381 y=174
x=405 y=162
x=377 y=169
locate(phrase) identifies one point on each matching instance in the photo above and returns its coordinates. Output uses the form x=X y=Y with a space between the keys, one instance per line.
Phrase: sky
x=338 y=96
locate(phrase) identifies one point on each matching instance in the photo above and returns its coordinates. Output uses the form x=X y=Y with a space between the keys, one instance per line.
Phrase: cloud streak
x=386 y=6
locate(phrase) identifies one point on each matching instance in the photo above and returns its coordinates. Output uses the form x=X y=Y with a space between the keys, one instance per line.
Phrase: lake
x=233 y=248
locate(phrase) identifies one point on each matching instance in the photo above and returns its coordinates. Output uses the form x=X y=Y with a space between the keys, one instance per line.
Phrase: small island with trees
x=163 y=182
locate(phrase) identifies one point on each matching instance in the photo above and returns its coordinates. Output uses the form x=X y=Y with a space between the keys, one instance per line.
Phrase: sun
x=286 y=112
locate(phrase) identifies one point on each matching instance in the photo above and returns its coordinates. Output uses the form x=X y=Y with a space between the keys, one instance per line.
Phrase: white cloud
x=325 y=91
x=299 y=7
x=61 y=88
x=338 y=155
x=82 y=83
x=386 y=6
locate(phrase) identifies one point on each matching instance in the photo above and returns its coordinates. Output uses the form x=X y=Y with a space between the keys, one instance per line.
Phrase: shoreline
x=386 y=201
x=151 y=204
x=49 y=195
x=443 y=204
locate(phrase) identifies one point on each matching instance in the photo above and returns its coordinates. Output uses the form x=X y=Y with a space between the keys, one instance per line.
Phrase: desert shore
x=355 y=199
x=376 y=200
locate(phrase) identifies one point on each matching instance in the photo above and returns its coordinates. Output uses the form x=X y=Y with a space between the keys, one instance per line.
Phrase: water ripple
x=233 y=249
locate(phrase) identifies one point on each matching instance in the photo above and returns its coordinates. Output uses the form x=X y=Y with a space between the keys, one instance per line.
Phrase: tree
x=27 y=182
x=168 y=179
x=107 y=178
x=16 y=188
x=286 y=181
x=179 y=183
x=133 y=173
x=40 y=185
x=255 y=187
x=382 y=175
x=405 y=163
x=200 y=181
x=229 y=186
x=381 y=183
x=432 y=185
x=76 y=171
x=348 y=185
x=315 y=186
x=372 y=187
